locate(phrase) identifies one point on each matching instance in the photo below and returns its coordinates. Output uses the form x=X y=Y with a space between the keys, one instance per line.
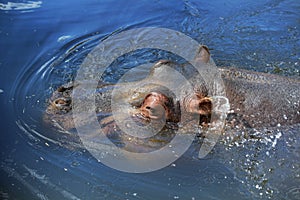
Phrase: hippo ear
x=199 y=105
x=203 y=54
x=205 y=106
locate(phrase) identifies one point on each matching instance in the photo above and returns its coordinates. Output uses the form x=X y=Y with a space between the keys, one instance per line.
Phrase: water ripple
x=37 y=82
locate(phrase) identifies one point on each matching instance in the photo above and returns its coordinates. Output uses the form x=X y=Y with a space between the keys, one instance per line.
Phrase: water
x=42 y=45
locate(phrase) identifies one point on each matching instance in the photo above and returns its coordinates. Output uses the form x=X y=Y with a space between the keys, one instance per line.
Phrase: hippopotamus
x=256 y=100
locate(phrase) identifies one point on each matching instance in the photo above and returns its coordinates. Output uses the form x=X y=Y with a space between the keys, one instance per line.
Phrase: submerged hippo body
x=263 y=100
x=256 y=100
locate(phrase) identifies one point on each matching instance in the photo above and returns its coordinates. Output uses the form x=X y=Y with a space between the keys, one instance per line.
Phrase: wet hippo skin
x=263 y=99
x=257 y=99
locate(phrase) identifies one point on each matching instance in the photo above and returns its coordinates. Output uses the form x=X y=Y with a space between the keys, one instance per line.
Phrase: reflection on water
x=20 y=6
x=46 y=47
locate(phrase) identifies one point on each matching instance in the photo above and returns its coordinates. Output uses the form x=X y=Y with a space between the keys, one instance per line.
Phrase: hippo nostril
x=152 y=111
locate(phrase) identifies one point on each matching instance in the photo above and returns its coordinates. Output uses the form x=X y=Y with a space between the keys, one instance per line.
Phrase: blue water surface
x=42 y=44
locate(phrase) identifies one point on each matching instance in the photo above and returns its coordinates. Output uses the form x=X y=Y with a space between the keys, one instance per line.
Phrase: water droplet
x=64 y=37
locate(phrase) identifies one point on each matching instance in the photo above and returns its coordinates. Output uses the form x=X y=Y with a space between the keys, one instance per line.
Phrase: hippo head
x=162 y=106
x=154 y=103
